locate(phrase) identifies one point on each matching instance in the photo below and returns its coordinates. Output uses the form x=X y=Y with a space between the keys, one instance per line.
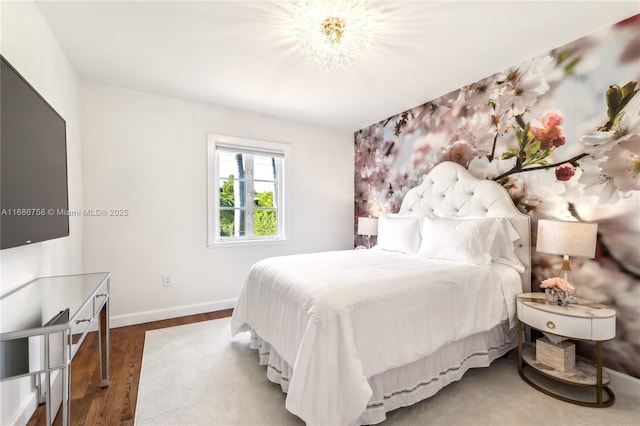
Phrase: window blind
x=253 y=150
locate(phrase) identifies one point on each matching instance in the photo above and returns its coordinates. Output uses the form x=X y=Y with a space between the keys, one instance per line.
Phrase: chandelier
x=333 y=33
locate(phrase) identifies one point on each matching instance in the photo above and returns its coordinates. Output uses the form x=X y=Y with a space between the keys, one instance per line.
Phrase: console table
x=44 y=322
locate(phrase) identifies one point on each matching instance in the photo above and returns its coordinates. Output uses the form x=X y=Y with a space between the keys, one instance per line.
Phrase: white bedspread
x=340 y=317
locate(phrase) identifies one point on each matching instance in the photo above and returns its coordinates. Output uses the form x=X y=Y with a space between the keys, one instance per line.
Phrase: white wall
x=27 y=43
x=147 y=153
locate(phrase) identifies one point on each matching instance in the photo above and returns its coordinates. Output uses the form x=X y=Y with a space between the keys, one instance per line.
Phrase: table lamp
x=368 y=226
x=576 y=239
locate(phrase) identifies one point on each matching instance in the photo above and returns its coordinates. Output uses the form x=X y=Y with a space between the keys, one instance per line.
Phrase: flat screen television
x=34 y=198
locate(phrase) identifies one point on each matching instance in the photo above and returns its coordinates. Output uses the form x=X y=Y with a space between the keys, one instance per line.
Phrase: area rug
x=197 y=374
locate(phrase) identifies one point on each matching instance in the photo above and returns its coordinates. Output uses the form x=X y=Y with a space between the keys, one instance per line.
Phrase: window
x=246 y=190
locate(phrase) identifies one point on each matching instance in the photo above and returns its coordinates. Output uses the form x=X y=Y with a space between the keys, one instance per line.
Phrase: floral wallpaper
x=561 y=132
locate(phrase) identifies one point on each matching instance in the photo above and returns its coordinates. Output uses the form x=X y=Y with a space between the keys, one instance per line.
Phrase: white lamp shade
x=367 y=226
x=576 y=239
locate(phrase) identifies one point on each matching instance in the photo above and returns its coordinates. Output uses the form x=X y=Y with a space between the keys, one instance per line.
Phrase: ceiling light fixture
x=333 y=33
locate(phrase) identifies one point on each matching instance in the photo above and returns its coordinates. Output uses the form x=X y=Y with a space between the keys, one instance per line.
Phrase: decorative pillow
x=467 y=240
x=399 y=233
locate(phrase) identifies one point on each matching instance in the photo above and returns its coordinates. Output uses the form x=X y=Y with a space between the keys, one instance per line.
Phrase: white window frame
x=214 y=145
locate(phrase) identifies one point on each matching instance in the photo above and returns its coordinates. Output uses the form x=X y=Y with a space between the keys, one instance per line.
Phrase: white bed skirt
x=406 y=385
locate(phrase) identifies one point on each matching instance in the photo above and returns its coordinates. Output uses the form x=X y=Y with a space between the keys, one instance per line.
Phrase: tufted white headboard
x=450 y=190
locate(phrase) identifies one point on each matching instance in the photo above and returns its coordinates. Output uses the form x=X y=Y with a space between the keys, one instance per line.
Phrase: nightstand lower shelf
x=585 y=374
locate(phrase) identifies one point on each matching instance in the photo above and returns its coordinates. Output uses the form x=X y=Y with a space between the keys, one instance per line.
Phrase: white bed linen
x=341 y=317
x=411 y=383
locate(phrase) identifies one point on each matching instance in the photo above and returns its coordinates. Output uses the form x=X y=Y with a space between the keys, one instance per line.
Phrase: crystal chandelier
x=333 y=33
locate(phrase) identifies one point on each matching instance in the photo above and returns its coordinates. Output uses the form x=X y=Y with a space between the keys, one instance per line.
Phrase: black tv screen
x=33 y=158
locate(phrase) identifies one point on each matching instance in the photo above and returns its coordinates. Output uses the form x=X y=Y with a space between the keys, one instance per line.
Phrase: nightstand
x=584 y=321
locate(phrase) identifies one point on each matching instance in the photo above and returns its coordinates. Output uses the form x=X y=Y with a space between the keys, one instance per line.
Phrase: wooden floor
x=115 y=404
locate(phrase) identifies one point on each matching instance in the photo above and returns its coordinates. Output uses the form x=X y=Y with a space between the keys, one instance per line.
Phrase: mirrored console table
x=44 y=322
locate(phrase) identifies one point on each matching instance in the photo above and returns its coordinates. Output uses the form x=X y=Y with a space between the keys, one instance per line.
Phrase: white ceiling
x=239 y=54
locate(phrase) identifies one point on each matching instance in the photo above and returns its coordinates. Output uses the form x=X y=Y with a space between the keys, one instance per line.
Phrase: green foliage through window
x=265 y=217
x=227 y=200
x=264 y=220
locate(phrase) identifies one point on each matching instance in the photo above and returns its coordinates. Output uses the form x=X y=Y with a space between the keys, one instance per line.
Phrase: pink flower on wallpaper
x=427 y=117
x=521 y=87
x=370 y=157
x=565 y=172
x=615 y=174
x=549 y=130
x=624 y=164
x=482 y=128
x=427 y=150
x=595 y=181
x=459 y=106
x=461 y=152
x=539 y=194
x=480 y=93
x=598 y=139
x=417 y=117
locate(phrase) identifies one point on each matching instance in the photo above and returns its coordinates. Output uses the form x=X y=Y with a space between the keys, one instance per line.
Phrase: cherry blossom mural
x=561 y=132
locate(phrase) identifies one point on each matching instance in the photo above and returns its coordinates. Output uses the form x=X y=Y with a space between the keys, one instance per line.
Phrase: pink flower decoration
x=550 y=134
x=552 y=119
x=461 y=152
x=565 y=172
x=558 y=284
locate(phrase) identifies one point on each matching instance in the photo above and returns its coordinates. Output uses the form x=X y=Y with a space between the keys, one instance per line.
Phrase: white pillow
x=503 y=250
x=399 y=233
x=467 y=240
x=418 y=216
x=499 y=237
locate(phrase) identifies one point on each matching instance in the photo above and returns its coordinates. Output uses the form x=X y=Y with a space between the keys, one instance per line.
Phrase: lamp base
x=565 y=274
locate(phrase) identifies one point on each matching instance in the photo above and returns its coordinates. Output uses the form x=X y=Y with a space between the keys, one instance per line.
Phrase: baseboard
x=25 y=411
x=174 y=312
x=624 y=383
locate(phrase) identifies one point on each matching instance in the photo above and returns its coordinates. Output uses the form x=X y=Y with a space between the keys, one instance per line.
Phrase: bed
x=351 y=335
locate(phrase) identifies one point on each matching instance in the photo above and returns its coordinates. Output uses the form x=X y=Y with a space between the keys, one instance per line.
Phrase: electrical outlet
x=166 y=280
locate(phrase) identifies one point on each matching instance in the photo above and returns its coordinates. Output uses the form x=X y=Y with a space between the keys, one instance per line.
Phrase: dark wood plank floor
x=115 y=404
